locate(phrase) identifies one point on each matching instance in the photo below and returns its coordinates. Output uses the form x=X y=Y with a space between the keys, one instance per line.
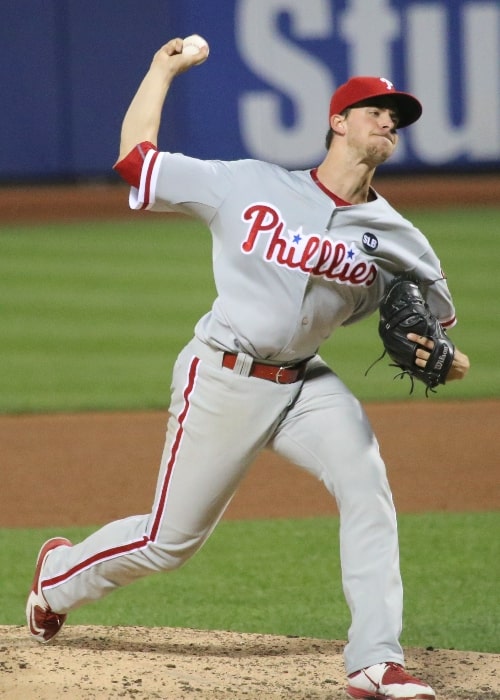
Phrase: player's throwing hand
x=178 y=55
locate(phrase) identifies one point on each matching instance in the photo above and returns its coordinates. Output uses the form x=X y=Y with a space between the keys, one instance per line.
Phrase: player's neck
x=350 y=183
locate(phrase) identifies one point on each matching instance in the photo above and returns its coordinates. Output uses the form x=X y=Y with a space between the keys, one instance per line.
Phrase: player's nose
x=388 y=119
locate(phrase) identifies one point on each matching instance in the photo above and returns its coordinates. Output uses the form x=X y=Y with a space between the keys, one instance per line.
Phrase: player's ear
x=337 y=122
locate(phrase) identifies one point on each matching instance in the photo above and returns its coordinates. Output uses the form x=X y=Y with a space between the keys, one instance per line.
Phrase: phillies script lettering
x=314 y=254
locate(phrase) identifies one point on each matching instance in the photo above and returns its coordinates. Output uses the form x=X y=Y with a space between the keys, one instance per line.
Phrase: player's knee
x=365 y=486
x=169 y=555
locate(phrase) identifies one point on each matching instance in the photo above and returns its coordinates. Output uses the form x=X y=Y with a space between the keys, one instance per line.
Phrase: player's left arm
x=459 y=367
x=441 y=305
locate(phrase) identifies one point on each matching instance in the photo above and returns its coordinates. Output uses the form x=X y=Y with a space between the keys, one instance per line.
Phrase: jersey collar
x=339 y=202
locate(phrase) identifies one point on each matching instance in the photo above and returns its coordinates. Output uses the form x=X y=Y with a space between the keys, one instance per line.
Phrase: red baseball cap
x=361 y=88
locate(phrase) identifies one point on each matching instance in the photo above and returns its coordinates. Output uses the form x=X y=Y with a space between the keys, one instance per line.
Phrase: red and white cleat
x=387 y=681
x=44 y=623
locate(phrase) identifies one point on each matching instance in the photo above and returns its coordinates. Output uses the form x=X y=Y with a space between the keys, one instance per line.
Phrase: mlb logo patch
x=370 y=242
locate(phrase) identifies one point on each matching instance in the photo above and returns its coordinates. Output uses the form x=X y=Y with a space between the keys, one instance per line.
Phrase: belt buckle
x=278 y=375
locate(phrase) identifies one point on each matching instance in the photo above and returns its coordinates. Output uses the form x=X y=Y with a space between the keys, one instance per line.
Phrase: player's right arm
x=143 y=117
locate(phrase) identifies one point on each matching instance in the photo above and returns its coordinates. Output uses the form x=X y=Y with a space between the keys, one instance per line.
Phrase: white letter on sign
x=435 y=137
x=370 y=27
x=291 y=71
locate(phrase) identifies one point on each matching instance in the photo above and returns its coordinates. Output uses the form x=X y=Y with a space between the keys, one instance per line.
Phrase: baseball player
x=296 y=255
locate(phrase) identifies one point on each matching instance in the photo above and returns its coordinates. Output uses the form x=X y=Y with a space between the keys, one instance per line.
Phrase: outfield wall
x=70 y=69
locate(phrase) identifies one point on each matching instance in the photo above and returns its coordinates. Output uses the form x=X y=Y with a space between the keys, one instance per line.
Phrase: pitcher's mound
x=87 y=663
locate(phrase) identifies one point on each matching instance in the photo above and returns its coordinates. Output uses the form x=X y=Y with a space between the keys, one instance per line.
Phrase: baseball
x=192 y=44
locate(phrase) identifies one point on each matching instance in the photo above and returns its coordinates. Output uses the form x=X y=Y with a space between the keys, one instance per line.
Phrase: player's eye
x=395 y=119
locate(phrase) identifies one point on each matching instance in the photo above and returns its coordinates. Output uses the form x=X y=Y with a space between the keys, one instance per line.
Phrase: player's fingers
x=422 y=352
x=173 y=46
x=421 y=357
x=421 y=340
x=170 y=57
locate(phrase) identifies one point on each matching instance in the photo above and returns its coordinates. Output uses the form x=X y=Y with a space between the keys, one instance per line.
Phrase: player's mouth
x=391 y=137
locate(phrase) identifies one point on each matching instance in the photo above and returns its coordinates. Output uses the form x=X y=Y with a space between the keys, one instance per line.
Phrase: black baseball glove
x=403 y=310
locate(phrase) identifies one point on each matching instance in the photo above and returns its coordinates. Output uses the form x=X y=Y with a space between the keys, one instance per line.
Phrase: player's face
x=371 y=132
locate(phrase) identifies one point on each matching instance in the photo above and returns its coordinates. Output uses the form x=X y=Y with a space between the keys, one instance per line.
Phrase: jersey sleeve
x=438 y=295
x=173 y=182
x=441 y=304
x=419 y=258
x=129 y=168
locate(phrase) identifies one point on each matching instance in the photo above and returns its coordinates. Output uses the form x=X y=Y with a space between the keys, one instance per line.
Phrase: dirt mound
x=103 y=662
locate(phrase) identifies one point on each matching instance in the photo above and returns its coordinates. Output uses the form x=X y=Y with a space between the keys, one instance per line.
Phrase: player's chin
x=380 y=152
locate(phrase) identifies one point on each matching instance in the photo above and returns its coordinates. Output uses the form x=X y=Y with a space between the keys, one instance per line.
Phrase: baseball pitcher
x=296 y=255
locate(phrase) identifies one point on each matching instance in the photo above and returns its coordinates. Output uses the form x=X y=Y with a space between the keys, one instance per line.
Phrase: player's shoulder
x=392 y=214
x=243 y=167
x=266 y=173
x=262 y=166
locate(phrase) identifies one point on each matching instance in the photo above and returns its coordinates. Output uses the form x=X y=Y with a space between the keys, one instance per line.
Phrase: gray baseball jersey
x=289 y=264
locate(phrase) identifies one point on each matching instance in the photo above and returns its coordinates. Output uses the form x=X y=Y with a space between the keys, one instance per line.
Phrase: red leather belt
x=280 y=375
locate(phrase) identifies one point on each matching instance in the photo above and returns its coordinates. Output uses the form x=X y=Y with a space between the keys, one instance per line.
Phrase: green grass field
x=92 y=317
x=283 y=577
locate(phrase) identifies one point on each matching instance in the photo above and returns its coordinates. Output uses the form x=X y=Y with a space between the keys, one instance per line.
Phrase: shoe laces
x=395 y=673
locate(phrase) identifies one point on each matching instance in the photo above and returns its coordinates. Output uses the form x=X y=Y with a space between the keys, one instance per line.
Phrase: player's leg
x=219 y=422
x=328 y=433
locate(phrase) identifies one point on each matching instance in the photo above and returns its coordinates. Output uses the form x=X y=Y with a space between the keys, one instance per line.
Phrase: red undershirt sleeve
x=130 y=167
